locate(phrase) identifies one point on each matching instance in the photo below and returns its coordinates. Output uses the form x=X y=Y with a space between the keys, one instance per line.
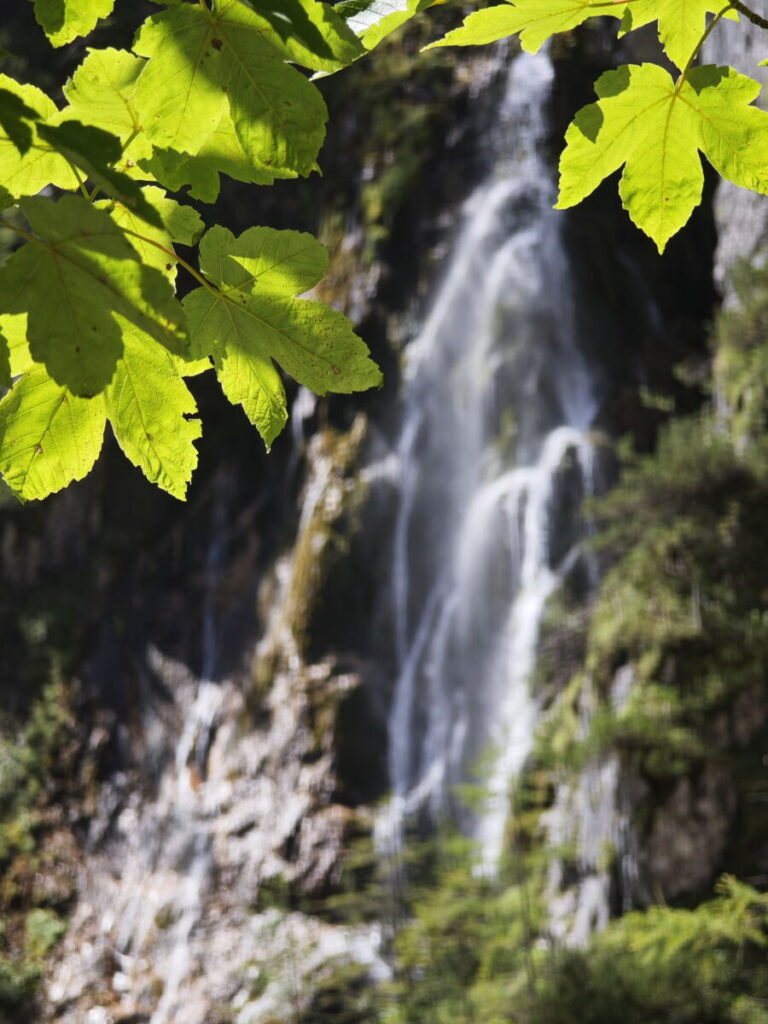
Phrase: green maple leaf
x=24 y=174
x=155 y=246
x=311 y=33
x=250 y=380
x=65 y=20
x=681 y=23
x=255 y=320
x=148 y=404
x=14 y=328
x=95 y=151
x=374 y=20
x=15 y=116
x=204 y=63
x=48 y=437
x=222 y=152
x=77 y=271
x=535 y=20
x=5 y=362
x=732 y=131
x=655 y=131
x=102 y=93
x=180 y=95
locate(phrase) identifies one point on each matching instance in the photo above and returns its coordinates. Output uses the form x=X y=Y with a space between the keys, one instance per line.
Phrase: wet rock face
x=176 y=889
x=689 y=834
x=237 y=810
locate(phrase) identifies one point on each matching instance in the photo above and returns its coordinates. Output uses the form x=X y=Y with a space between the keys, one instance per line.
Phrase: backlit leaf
x=681 y=23
x=178 y=224
x=256 y=319
x=14 y=328
x=535 y=20
x=734 y=133
x=102 y=93
x=65 y=20
x=147 y=403
x=655 y=131
x=48 y=437
x=5 y=362
x=25 y=174
x=94 y=151
x=77 y=272
x=221 y=153
x=203 y=63
x=15 y=116
x=374 y=20
x=311 y=33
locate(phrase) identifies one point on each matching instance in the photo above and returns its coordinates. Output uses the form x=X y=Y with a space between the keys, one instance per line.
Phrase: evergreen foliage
x=477 y=950
x=666 y=966
x=29 y=925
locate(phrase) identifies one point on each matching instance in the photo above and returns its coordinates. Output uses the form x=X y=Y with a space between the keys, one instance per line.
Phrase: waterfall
x=494 y=457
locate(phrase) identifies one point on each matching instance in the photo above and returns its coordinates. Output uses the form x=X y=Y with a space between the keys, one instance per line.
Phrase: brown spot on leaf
x=39 y=450
x=216 y=44
x=336 y=370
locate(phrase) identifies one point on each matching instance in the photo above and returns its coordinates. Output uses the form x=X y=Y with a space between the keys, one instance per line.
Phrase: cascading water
x=494 y=457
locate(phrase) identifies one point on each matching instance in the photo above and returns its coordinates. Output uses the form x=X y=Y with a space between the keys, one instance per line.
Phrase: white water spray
x=494 y=458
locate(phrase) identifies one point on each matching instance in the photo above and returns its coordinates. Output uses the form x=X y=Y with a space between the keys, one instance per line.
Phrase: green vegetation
x=26 y=766
x=684 y=602
x=208 y=89
x=468 y=949
x=665 y=966
x=343 y=996
x=474 y=952
x=475 y=949
x=646 y=122
x=215 y=87
x=30 y=915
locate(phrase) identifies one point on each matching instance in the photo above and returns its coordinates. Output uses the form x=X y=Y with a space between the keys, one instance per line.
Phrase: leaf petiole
x=704 y=36
x=80 y=182
x=177 y=259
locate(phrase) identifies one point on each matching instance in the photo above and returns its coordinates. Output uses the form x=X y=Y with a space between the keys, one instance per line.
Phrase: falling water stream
x=494 y=456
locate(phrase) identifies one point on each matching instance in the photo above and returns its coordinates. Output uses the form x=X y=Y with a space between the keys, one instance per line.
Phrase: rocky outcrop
x=188 y=866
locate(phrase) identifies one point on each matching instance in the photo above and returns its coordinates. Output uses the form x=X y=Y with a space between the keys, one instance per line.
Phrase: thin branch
x=756 y=19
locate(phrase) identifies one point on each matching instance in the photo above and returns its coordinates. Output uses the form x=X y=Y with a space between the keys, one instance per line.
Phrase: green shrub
x=666 y=966
x=43 y=929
